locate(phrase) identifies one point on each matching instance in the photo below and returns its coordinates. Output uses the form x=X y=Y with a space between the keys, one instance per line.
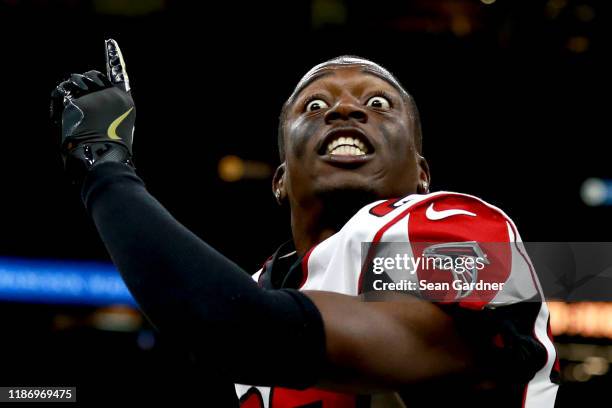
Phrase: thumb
x=115 y=66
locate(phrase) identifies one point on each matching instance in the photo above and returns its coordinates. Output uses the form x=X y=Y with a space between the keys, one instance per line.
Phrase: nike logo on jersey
x=434 y=215
x=112 y=129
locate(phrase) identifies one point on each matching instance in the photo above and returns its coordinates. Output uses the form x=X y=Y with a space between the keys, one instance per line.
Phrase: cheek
x=299 y=133
x=399 y=157
x=298 y=180
x=397 y=136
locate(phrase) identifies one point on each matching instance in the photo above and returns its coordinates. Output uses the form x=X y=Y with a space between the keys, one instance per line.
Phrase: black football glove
x=96 y=114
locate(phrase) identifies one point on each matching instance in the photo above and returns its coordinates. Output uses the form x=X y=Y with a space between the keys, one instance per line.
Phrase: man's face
x=350 y=130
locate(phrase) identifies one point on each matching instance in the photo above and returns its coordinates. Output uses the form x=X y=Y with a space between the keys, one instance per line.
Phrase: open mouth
x=345 y=142
x=346 y=146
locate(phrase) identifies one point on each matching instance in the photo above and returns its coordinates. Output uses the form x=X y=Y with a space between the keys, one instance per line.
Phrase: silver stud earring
x=277 y=193
x=425 y=187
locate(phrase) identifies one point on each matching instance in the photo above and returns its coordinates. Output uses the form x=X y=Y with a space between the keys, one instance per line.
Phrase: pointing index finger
x=115 y=65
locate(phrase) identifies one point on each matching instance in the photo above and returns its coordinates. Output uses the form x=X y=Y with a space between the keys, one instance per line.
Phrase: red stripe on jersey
x=524 y=396
x=556 y=365
x=384 y=208
x=372 y=249
x=305 y=266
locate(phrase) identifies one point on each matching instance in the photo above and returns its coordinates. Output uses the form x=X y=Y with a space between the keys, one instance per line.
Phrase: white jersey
x=421 y=222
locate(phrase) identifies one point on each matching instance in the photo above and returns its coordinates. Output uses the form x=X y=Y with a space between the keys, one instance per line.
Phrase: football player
x=302 y=333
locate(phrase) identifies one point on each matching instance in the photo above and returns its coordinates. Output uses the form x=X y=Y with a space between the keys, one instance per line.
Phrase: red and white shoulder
x=438 y=216
x=454 y=216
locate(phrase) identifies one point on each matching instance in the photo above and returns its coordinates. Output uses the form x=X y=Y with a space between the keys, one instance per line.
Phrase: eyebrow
x=366 y=70
x=309 y=81
x=385 y=77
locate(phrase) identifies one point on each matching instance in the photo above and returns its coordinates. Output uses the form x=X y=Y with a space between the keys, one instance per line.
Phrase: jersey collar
x=283 y=269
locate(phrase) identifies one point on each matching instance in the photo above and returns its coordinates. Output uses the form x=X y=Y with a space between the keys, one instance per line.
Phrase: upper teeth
x=347 y=146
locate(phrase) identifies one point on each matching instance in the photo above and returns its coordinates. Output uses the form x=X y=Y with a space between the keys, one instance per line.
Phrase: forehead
x=346 y=74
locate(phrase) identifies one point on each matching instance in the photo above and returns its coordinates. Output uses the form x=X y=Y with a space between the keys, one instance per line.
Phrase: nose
x=345 y=110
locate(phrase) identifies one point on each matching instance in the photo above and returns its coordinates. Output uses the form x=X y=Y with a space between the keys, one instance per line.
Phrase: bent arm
x=385 y=345
x=266 y=337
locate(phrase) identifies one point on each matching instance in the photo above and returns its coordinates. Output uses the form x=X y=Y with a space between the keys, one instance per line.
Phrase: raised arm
x=189 y=290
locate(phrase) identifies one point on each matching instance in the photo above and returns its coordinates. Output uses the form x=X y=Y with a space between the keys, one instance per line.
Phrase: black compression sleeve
x=190 y=291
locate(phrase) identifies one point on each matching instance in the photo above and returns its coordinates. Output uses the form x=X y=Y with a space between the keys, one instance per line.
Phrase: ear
x=278 y=184
x=424 y=176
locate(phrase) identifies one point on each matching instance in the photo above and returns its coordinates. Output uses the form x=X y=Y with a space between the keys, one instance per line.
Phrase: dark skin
x=392 y=167
x=372 y=346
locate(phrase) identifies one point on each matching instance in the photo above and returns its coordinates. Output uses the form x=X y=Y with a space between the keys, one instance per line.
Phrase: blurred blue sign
x=67 y=282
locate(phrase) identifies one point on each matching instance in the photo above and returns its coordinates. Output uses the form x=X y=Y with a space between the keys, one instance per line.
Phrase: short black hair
x=371 y=67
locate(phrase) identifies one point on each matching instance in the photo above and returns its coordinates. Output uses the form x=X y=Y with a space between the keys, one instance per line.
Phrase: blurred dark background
x=513 y=97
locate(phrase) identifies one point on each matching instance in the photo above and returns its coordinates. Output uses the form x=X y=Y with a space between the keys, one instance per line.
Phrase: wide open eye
x=379 y=102
x=316 y=105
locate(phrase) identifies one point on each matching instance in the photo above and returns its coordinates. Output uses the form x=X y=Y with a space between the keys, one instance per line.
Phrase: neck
x=308 y=228
x=321 y=218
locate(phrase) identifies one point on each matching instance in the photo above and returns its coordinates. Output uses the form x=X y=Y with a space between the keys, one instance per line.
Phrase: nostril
x=346 y=112
x=358 y=115
x=332 y=115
